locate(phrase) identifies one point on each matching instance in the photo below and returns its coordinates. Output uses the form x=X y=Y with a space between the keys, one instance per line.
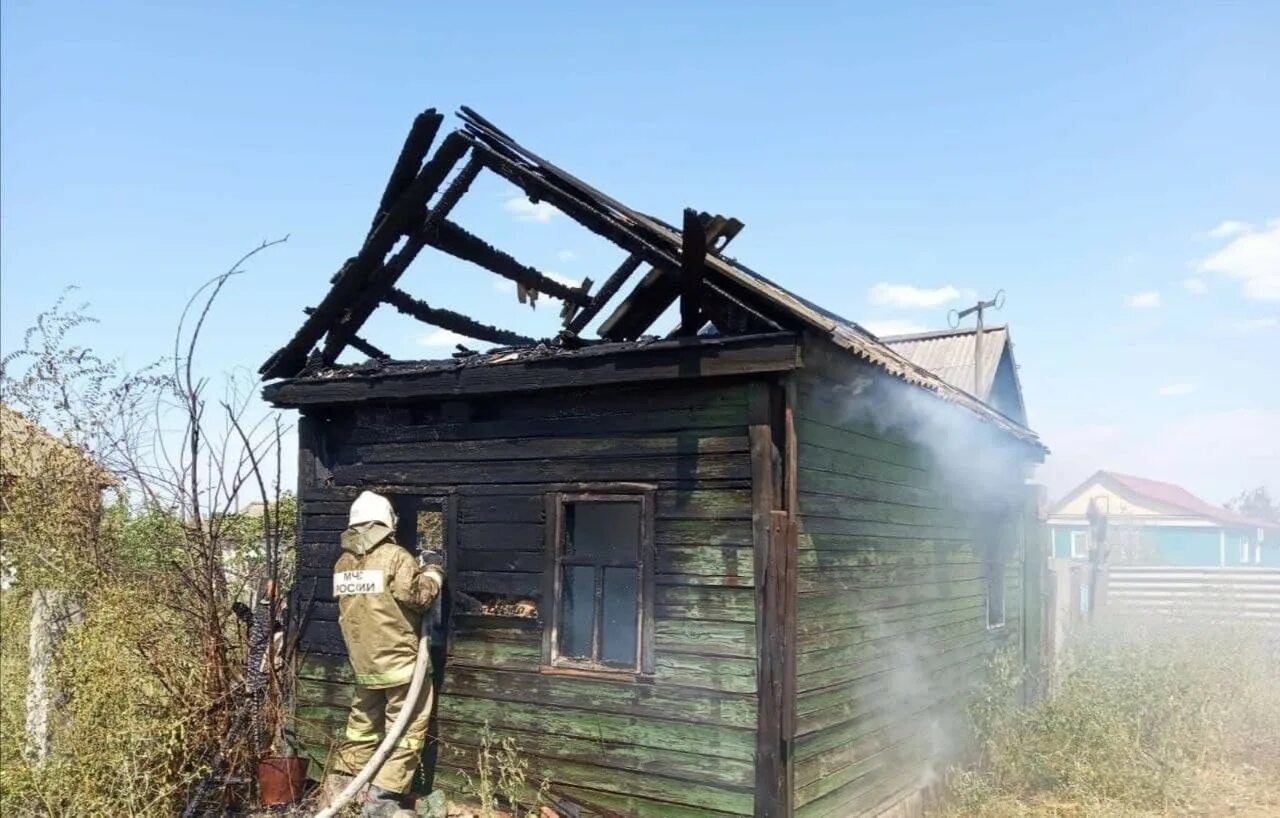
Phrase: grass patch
x=1148 y=719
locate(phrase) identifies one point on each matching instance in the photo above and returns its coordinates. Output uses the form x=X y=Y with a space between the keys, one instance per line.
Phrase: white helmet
x=371 y=507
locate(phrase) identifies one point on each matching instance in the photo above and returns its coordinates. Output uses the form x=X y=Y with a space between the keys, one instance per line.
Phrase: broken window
x=601 y=546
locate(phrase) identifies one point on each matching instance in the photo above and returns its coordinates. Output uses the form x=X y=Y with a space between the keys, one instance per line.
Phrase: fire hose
x=397 y=727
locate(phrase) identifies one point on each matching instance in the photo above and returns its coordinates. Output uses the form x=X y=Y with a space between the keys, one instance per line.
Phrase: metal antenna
x=953 y=320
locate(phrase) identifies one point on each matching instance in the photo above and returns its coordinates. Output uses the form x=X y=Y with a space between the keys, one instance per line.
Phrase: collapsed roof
x=715 y=292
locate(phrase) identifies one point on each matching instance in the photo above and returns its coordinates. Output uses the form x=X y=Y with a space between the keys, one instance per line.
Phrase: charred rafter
x=353 y=280
x=369 y=349
x=693 y=261
x=659 y=288
x=608 y=290
x=460 y=243
x=421 y=134
x=589 y=215
x=383 y=278
x=453 y=321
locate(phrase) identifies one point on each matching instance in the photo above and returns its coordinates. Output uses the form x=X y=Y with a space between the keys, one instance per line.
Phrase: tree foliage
x=131 y=490
x=1256 y=503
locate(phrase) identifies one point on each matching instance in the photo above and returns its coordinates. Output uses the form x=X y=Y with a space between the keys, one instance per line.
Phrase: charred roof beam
x=661 y=287
x=460 y=243
x=354 y=278
x=693 y=262
x=454 y=321
x=588 y=215
x=577 y=323
x=369 y=349
x=384 y=277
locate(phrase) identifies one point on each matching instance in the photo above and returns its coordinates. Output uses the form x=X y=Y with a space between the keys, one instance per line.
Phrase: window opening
x=601 y=577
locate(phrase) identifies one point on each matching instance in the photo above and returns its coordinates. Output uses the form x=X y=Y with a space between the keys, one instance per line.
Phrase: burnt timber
x=814 y=582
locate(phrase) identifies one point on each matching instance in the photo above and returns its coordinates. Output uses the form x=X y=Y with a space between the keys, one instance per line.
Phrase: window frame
x=556 y=503
x=1084 y=540
x=996 y=564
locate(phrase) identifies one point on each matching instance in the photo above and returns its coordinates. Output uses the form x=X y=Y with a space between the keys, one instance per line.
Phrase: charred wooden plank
x=673 y=361
x=384 y=277
x=416 y=145
x=368 y=349
x=588 y=214
x=453 y=321
x=693 y=256
x=661 y=286
x=608 y=290
x=356 y=275
x=457 y=241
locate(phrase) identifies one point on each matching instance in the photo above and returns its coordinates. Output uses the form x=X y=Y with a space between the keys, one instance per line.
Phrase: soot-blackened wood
x=670 y=361
x=453 y=321
x=369 y=349
x=416 y=145
x=384 y=277
x=357 y=274
x=693 y=257
x=769 y=526
x=454 y=240
x=588 y=215
x=661 y=286
x=608 y=290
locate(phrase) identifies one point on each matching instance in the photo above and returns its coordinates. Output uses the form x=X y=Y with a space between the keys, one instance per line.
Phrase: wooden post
x=51 y=613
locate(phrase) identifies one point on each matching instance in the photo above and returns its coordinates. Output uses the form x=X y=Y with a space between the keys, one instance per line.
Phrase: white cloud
x=1228 y=229
x=442 y=339
x=1175 y=389
x=905 y=295
x=1252 y=256
x=1145 y=300
x=1195 y=286
x=893 y=326
x=1256 y=324
x=527 y=211
x=567 y=255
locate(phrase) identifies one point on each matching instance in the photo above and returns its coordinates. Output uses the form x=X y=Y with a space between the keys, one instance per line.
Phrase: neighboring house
x=1151 y=522
x=951 y=355
x=711 y=574
x=30 y=455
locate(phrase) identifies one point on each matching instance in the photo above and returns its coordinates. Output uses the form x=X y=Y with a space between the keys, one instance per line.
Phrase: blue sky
x=1113 y=167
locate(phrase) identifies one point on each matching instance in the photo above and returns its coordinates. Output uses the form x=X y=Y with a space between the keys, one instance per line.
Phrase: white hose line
x=397 y=727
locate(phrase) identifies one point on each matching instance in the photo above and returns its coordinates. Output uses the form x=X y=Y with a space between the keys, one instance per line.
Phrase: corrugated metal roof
x=950 y=354
x=1171 y=494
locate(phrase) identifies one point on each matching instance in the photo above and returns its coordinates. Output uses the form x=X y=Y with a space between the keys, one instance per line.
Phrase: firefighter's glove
x=431 y=567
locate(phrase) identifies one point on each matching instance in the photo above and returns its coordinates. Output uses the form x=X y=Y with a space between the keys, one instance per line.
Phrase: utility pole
x=954 y=318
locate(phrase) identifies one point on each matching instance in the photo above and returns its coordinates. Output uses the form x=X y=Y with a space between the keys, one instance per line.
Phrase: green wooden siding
x=679 y=744
x=891 y=611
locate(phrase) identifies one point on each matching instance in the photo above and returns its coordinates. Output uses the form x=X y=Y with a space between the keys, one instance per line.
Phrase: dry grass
x=1150 y=719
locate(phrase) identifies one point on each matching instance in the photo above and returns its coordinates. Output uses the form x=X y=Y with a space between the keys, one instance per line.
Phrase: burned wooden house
x=750 y=566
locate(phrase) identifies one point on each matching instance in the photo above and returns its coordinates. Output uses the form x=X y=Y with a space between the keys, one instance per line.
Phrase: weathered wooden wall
x=680 y=744
x=891 y=611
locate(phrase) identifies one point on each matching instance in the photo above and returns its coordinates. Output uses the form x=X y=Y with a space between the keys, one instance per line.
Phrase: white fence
x=1251 y=594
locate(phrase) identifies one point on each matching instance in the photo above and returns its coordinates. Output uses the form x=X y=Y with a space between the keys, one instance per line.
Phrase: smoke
x=978 y=465
x=976 y=470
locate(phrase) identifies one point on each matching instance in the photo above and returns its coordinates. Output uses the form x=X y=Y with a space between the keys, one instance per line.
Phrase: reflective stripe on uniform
x=410 y=743
x=362 y=736
x=391 y=677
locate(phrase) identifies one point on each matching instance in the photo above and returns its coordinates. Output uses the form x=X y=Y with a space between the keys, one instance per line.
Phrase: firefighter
x=383 y=593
